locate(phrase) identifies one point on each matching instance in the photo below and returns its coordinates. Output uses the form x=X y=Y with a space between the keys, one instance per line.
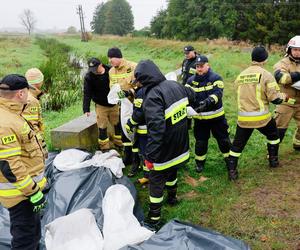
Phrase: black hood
x=147 y=73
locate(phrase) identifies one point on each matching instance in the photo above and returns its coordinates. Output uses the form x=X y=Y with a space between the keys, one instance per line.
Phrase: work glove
x=205 y=104
x=149 y=164
x=129 y=127
x=38 y=201
x=125 y=93
x=295 y=76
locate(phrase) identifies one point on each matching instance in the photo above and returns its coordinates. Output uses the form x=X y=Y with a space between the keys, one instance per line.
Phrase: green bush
x=62 y=82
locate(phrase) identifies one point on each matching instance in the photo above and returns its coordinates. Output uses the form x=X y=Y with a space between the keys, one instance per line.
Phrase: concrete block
x=81 y=133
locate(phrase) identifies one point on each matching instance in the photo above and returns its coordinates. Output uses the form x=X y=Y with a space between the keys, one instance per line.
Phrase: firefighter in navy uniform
x=209 y=88
x=96 y=88
x=287 y=73
x=188 y=67
x=167 y=148
x=256 y=88
x=137 y=124
x=21 y=165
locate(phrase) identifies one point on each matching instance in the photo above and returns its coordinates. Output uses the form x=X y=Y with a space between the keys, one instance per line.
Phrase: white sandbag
x=112 y=96
x=126 y=113
x=76 y=231
x=171 y=76
x=296 y=85
x=120 y=226
x=69 y=159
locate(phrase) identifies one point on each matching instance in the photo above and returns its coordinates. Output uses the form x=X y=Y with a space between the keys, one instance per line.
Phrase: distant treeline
x=265 y=22
x=113 y=17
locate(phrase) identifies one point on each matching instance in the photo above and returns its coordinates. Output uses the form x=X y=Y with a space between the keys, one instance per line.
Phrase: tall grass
x=62 y=82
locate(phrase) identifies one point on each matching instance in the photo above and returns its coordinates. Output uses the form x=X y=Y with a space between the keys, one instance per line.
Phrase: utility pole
x=83 y=32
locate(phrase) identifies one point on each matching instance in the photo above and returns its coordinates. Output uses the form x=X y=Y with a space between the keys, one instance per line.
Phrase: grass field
x=262 y=208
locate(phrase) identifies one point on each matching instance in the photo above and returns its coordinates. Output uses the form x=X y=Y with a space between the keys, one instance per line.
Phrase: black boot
x=199 y=166
x=127 y=157
x=171 y=198
x=135 y=164
x=232 y=168
x=153 y=221
x=273 y=155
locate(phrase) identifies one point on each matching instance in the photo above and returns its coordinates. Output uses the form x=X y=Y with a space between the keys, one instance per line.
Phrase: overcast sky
x=61 y=14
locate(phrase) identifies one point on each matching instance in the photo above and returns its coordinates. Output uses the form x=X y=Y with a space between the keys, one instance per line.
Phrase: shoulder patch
x=9 y=139
x=138 y=103
x=34 y=109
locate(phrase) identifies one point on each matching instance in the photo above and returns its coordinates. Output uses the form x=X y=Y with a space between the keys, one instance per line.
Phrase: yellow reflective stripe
x=117 y=136
x=135 y=150
x=225 y=155
x=177 y=160
x=145 y=168
x=274 y=142
x=4 y=153
x=31 y=117
x=35 y=81
x=118 y=76
x=127 y=144
x=201 y=89
x=171 y=183
x=177 y=111
x=175 y=107
x=200 y=157
x=23 y=183
x=273 y=85
x=192 y=71
x=258 y=97
x=155 y=218
x=239 y=97
x=215 y=98
x=142 y=131
x=156 y=200
x=254 y=118
x=195 y=83
x=231 y=153
x=16 y=192
x=207 y=117
x=219 y=84
x=138 y=102
x=103 y=141
x=133 y=122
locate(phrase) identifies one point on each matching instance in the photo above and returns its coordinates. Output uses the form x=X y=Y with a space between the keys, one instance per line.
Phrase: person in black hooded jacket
x=165 y=109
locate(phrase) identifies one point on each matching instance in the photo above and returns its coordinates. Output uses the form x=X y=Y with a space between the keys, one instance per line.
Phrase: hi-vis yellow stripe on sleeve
x=177 y=111
x=23 y=183
x=31 y=117
x=4 y=153
x=9 y=139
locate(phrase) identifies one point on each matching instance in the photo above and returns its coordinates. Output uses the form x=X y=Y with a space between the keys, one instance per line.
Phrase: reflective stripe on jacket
x=123 y=75
x=21 y=157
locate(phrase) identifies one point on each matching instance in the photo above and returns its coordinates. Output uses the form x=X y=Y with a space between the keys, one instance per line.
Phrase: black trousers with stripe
x=25 y=227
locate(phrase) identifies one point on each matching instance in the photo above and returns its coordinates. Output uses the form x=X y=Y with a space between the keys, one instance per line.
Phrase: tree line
x=113 y=17
x=265 y=22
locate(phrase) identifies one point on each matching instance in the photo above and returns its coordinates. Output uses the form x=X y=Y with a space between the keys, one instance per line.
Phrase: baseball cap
x=93 y=64
x=14 y=82
x=201 y=60
x=188 y=48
